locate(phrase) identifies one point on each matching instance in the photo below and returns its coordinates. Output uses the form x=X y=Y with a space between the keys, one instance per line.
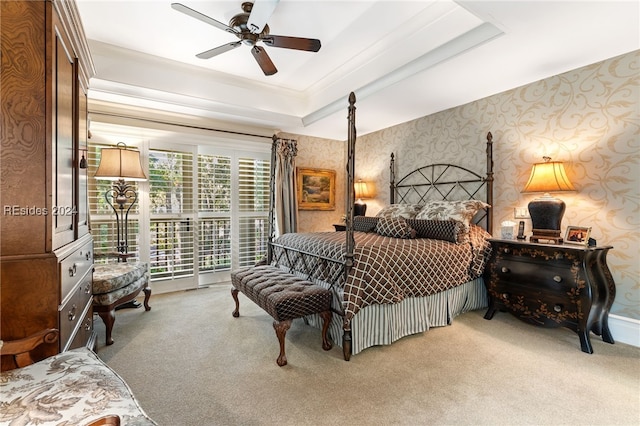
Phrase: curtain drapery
x=286 y=201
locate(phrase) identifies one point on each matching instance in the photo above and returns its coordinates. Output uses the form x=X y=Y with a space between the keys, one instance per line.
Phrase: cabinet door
x=82 y=194
x=24 y=172
x=63 y=207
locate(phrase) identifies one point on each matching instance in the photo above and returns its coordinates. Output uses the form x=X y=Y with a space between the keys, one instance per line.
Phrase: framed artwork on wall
x=577 y=235
x=316 y=189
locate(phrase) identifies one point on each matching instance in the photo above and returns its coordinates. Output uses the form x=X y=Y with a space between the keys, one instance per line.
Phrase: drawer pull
x=557 y=278
x=88 y=255
x=73 y=270
x=87 y=324
x=72 y=313
x=557 y=308
x=505 y=296
x=87 y=289
x=504 y=269
x=506 y=250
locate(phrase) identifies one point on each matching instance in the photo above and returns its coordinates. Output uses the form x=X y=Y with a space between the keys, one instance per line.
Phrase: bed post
x=272 y=199
x=351 y=152
x=392 y=179
x=490 y=182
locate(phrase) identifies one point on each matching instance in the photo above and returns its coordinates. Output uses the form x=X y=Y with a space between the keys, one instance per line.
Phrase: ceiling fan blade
x=218 y=50
x=263 y=60
x=308 y=44
x=260 y=14
x=201 y=17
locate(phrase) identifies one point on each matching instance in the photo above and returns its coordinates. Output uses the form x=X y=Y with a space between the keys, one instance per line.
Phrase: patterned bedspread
x=385 y=269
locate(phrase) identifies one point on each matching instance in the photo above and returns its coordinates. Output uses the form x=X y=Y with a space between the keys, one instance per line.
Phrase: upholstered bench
x=115 y=284
x=71 y=388
x=285 y=297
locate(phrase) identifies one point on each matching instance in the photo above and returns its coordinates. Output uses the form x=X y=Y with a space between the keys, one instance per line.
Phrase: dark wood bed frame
x=440 y=180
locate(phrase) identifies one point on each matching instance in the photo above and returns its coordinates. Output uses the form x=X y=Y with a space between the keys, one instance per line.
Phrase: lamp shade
x=120 y=163
x=549 y=176
x=361 y=190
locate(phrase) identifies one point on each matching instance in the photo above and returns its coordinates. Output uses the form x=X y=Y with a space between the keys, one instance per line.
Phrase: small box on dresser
x=552 y=285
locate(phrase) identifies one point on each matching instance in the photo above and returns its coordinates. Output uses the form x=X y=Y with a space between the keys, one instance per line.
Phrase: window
x=172 y=231
x=253 y=206
x=214 y=212
x=203 y=211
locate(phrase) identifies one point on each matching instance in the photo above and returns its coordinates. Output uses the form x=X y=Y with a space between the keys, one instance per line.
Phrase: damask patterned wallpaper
x=319 y=153
x=588 y=118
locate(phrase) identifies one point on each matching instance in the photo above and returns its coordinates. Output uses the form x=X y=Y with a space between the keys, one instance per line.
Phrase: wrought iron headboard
x=446 y=182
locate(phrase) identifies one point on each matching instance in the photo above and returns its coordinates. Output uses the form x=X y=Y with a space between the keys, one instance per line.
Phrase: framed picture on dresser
x=577 y=235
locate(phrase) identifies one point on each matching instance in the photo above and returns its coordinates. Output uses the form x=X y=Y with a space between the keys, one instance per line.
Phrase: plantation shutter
x=253 y=208
x=172 y=219
x=214 y=212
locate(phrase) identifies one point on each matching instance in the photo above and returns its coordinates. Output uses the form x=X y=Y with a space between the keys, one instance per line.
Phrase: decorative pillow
x=365 y=223
x=394 y=227
x=462 y=211
x=407 y=211
x=447 y=230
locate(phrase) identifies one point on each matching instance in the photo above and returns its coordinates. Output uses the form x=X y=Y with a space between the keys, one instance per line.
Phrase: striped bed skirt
x=384 y=324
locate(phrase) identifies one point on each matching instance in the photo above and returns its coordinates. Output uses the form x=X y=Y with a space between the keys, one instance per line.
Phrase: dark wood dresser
x=552 y=286
x=46 y=260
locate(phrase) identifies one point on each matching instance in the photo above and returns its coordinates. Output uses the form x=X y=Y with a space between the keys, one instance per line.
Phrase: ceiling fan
x=250 y=27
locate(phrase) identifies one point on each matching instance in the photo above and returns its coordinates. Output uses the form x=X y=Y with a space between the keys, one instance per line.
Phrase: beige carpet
x=190 y=362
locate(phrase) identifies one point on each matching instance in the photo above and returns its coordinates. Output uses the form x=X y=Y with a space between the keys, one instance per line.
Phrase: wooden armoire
x=46 y=250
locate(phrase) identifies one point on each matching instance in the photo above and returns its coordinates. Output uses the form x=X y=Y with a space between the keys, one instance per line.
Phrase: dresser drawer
x=74 y=267
x=84 y=331
x=73 y=311
x=524 y=271
x=537 y=305
x=538 y=255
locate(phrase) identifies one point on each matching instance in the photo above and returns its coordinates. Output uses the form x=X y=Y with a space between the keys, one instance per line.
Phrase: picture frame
x=316 y=188
x=577 y=235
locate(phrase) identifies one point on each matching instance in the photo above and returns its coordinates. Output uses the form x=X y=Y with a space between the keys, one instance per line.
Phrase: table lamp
x=361 y=191
x=546 y=212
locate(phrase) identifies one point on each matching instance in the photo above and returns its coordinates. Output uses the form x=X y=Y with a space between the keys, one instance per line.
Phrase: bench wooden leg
x=326 y=320
x=281 y=328
x=234 y=294
x=147 y=296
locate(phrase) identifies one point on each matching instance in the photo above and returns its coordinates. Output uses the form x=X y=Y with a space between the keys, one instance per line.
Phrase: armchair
x=40 y=392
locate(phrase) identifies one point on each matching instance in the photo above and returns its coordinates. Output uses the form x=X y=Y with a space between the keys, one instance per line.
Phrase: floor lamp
x=118 y=164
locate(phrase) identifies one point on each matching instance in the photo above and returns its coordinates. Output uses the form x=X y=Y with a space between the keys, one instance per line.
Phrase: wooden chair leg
x=234 y=294
x=147 y=296
x=281 y=328
x=109 y=318
x=326 y=321
x=106 y=421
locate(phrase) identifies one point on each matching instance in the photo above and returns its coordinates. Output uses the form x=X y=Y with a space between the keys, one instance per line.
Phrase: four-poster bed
x=416 y=265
